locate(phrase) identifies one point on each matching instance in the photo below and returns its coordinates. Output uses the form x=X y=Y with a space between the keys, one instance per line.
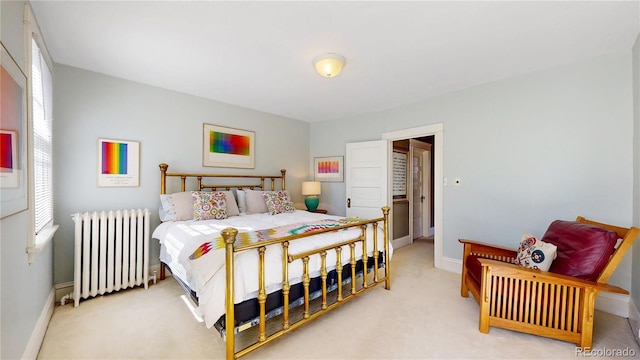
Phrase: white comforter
x=206 y=275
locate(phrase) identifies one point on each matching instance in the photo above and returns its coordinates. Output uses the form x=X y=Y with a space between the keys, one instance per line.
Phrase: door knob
x=348 y=202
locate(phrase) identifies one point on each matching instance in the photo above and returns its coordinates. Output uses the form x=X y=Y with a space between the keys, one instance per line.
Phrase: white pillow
x=232 y=206
x=535 y=254
x=176 y=207
x=242 y=202
x=255 y=202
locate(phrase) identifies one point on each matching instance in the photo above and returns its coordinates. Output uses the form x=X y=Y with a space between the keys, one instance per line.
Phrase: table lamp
x=311 y=189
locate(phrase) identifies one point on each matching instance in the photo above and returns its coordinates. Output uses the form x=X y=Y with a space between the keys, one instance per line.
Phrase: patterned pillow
x=535 y=254
x=278 y=202
x=209 y=205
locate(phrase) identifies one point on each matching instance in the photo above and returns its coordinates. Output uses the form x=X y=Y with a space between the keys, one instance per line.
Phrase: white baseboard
x=63 y=289
x=634 y=320
x=451 y=264
x=400 y=242
x=616 y=304
x=37 y=336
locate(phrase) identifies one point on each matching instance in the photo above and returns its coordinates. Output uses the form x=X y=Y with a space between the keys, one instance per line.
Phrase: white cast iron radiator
x=111 y=252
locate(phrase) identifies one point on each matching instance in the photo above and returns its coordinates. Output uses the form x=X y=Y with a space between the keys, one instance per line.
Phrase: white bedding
x=206 y=275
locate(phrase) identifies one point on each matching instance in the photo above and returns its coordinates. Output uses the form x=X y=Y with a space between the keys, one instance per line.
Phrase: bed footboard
x=357 y=285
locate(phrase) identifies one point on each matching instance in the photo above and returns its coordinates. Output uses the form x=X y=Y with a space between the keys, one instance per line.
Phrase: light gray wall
x=24 y=288
x=635 y=291
x=168 y=126
x=552 y=144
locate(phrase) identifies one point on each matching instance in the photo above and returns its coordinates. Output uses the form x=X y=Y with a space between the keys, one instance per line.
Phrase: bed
x=237 y=237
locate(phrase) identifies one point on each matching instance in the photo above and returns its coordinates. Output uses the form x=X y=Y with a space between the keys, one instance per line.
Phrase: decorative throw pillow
x=255 y=203
x=535 y=254
x=278 y=202
x=176 y=207
x=209 y=205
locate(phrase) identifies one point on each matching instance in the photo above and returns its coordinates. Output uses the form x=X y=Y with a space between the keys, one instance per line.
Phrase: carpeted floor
x=423 y=316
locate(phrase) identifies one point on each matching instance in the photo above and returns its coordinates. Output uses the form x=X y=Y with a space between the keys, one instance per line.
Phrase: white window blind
x=41 y=93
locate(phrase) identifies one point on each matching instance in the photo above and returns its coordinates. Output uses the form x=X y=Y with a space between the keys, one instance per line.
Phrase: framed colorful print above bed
x=228 y=147
x=13 y=136
x=329 y=168
x=118 y=163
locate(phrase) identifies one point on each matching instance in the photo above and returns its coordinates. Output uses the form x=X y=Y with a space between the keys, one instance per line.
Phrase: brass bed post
x=285 y=284
x=163 y=178
x=305 y=284
x=385 y=212
x=163 y=190
x=262 y=295
x=352 y=247
x=183 y=179
x=229 y=236
x=365 y=258
x=339 y=271
x=323 y=276
x=284 y=182
x=375 y=252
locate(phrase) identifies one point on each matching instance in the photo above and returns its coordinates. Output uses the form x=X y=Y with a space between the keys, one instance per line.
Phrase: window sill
x=42 y=240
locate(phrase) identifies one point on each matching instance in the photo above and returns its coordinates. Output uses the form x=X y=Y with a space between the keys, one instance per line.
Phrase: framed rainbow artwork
x=228 y=147
x=118 y=163
x=329 y=168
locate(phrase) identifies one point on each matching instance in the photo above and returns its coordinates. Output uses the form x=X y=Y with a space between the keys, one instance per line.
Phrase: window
x=40 y=147
x=41 y=89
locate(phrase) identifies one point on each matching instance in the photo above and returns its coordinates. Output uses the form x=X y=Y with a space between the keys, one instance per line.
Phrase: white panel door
x=366 y=178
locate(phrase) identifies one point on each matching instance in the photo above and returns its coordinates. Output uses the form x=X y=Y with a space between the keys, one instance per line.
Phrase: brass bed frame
x=353 y=290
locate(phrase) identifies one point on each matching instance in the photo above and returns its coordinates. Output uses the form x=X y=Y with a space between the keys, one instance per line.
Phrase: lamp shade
x=311 y=188
x=329 y=65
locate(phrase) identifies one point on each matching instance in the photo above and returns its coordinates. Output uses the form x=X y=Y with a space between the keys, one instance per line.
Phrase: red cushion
x=583 y=249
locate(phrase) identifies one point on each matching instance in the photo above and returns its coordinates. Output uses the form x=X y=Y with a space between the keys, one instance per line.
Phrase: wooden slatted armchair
x=559 y=303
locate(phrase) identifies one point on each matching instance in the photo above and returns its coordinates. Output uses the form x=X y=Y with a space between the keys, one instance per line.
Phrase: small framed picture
x=329 y=168
x=228 y=147
x=400 y=178
x=118 y=163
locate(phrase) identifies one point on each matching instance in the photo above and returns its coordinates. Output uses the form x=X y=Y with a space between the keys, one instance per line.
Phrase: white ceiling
x=258 y=54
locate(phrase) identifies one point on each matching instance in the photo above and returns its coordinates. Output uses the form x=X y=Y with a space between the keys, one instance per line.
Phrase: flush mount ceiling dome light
x=329 y=65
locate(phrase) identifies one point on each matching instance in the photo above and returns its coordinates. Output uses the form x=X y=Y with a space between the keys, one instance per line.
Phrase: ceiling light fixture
x=329 y=65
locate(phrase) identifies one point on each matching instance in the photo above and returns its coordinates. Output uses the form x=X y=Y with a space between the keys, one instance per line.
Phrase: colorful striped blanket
x=252 y=237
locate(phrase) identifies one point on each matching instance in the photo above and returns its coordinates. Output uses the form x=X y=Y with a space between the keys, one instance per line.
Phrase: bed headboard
x=219 y=186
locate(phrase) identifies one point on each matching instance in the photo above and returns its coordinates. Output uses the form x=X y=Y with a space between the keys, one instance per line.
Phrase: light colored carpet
x=423 y=316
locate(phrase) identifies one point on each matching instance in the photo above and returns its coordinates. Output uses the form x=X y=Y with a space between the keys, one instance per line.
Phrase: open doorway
x=404 y=213
x=413 y=204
